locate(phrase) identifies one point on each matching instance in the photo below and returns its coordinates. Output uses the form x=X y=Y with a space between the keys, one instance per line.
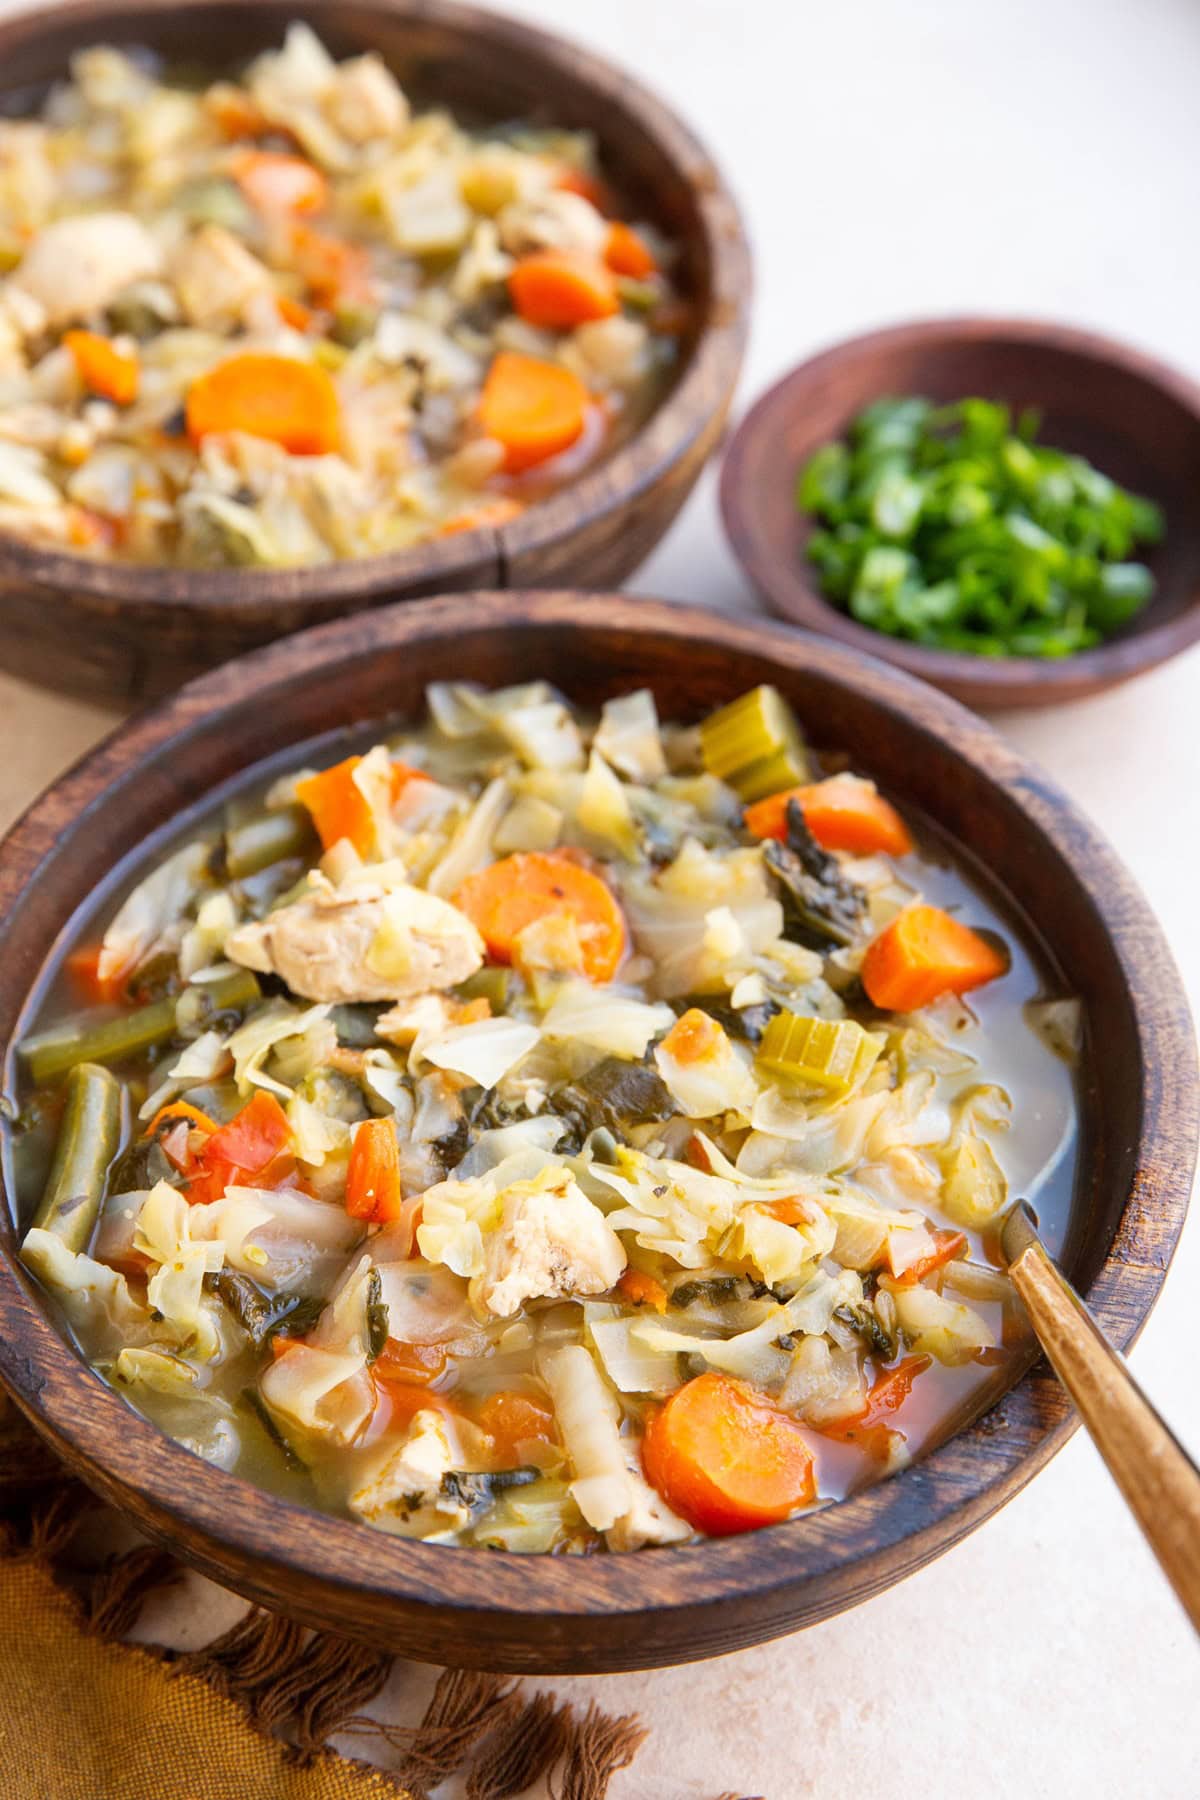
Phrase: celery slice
x=755 y=745
x=834 y=1054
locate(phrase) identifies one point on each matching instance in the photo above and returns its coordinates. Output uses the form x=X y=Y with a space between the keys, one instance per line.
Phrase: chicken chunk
x=404 y=1494
x=75 y=267
x=557 y=220
x=551 y=1241
x=216 y=277
x=369 y=939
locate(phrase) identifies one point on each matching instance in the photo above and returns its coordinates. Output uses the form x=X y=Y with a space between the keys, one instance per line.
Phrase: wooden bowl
x=122 y=633
x=1134 y=418
x=654 y=1606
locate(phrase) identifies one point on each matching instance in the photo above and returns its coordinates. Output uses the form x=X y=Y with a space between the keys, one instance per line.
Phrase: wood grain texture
x=1134 y=418
x=121 y=633
x=1146 y=1460
x=1062 y=884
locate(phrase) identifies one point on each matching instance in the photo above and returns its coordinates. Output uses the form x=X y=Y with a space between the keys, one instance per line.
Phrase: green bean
x=269 y=838
x=88 y=1139
x=53 y=1052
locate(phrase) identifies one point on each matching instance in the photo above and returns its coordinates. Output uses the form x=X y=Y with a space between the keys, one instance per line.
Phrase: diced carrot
x=409 y=1362
x=83 y=971
x=923 y=953
x=294 y=312
x=560 y=289
x=91 y=530
x=842 y=813
x=695 y=1152
x=590 y=187
x=791 y=1210
x=641 y=1289
x=511 y=1420
x=339 y=807
x=235 y=113
x=868 y=1426
x=534 y=408
x=373 y=1177
x=275 y=182
x=403 y=776
x=497 y=511
x=402 y=1400
x=947 y=1245
x=333 y=268
x=694 y=1037
x=275 y=397
x=725 y=1458
x=627 y=253
x=103 y=369
x=181 y=1109
x=505 y=898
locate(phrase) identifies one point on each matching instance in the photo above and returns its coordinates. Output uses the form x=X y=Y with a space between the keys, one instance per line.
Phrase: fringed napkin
x=85 y=1716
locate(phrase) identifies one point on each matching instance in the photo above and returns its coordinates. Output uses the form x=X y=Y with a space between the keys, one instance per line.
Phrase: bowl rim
x=222 y=1521
x=982 y=680
x=664 y=437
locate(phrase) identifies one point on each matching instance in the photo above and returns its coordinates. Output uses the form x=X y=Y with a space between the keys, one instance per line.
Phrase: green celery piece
x=1123 y=590
x=824 y=480
x=896 y=507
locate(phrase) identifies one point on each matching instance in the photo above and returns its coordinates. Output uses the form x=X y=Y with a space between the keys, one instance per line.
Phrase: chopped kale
x=613 y=1096
x=377 y=1316
x=820 y=906
x=264 y=1316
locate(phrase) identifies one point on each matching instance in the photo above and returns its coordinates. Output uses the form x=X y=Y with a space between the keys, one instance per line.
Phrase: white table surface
x=899 y=158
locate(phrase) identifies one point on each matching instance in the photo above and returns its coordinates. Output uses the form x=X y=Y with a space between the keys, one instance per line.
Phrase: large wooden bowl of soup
x=571 y=1121
x=305 y=308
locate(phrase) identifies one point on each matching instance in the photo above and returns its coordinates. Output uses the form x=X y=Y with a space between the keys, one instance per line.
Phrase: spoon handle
x=1154 y=1472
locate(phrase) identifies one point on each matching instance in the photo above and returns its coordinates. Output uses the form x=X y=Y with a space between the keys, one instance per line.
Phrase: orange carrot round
x=560 y=289
x=843 y=813
x=537 y=884
x=373 y=1177
x=290 y=403
x=534 y=408
x=103 y=369
x=923 y=953
x=725 y=1459
x=626 y=253
x=275 y=182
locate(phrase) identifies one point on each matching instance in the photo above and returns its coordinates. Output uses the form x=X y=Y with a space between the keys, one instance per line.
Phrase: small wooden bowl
x=122 y=633
x=1134 y=418
x=656 y=1606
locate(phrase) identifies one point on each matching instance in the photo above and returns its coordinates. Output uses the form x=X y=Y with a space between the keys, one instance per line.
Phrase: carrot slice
x=505 y=898
x=694 y=1037
x=725 y=1459
x=792 y=1209
x=511 y=1420
x=560 y=289
x=290 y=403
x=339 y=807
x=842 y=813
x=83 y=971
x=534 y=408
x=104 y=370
x=923 y=953
x=235 y=113
x=275 y=182
x=626 y=253
x=373 y=1178
x=641 y=1289
x=947 y=1245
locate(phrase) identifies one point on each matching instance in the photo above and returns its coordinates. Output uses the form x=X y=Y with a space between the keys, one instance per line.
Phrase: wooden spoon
x=1146 y=1460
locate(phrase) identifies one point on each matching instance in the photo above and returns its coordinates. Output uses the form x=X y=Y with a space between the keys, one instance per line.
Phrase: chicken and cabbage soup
x=289 y=319
x=546 y=1131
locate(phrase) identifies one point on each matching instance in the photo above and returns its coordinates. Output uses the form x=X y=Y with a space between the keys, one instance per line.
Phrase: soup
x=288 y=319
x=549 y=1132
